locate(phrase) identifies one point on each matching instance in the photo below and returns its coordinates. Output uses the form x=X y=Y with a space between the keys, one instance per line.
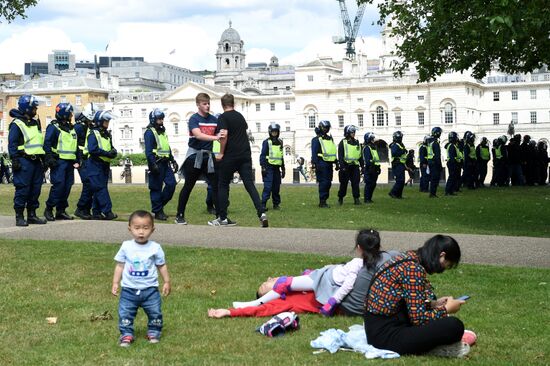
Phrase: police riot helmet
x=349 y=130
x=484 y=141
x=369 y=137
x=453 y=137
x=503 y=139
x=397 y=136
x=324 y=126
x=436 y=132
x=64 y=112
x=101 y=116
x=26 y=104
x=495 y=142
x=155 y=115
x=274 y=127
x=466 y=135
x=426 y=139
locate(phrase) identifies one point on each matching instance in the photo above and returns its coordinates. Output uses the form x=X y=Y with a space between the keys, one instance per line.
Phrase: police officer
x=434 y=160
x=25 y=146
x=399 y=157
x=323 y=158
x=470 y=160
x=100 y=147
x=84 y=121
x=423 y=160
x=61 y=147
x=500 y=160
x=161 y=163
x=483 y=157
x=454 y=161
x=372 y=166
x=350 y=161
x=273 y=166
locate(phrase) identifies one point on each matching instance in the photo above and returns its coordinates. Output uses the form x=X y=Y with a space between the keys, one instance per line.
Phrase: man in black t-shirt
x=234 y=156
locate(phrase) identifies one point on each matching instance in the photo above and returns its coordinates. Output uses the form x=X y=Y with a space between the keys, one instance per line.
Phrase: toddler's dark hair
x=141 y=213
x=369 y=241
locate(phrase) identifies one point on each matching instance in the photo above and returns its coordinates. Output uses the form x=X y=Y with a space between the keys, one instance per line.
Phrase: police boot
x=48 y=214
x=357 y=201
x=63 y=215
x=110 y=216
x=340 y=201
x=161 y=216
x=33 y=219
x=323 y=204
x=83 y=214
x=20 y=217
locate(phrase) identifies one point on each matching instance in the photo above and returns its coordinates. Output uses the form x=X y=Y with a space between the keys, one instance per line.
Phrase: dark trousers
x=28 y=183
x=272 y=185
x=397 y=334
x=227 y=167
x=516 y=174
x=424 y=178
x=85 y=200
x=501 y=171
x=193 y=174
x=398 y=171
x=98 y=173
x=62 y=179
x=370 y=184
x=435 y=174
x=350 y=174
x=452 y=184
x=161 y=186
x=481 y=172
x=324 y=172
x=470 y=176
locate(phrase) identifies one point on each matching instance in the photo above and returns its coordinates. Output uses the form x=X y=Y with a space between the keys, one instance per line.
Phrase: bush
x=137 y=159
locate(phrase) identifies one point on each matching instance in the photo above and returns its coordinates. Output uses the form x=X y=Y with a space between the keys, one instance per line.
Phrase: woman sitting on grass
x=331 y=285
x=402 y=313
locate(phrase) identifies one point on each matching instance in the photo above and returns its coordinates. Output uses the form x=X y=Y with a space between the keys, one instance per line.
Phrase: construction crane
x=349 y=30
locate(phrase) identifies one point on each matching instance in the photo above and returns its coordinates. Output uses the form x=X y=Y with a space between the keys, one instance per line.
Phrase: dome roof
x=230 y=35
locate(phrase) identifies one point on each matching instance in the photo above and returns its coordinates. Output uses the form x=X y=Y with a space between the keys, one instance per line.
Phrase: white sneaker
x=227 y=222
x=263 y=220
x=457 y=350
x=215 y=222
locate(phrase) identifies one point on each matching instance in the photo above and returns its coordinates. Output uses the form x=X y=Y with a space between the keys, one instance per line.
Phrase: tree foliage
x=440 y=35
x=11 y=9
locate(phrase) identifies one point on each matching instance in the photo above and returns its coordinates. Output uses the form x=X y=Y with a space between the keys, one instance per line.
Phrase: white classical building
x=345 y=92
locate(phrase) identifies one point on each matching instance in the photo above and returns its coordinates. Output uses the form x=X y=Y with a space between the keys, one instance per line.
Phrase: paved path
x=482 y=249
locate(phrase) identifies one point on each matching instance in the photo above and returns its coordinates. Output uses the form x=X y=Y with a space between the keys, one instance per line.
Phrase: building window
x=515 y=118
x=257 y=107
x=496 y=118
x=126 y=113
x=78 y=100
x=288 y=151
x=533 y=94
x=533 y=117
x=50 y=84
x=312 y=121
x=340 y=121
x=287 y=88
x=63 y=99
x=143 y=112
x=421 y=118
x=272 y=106
x=379 y=116
x=514 y=95
x=397 y=118
x=287 y=106
x=360 y=121
x=359 y=100
x=258 y=127
x=48 y=101
x=449 y=117
x=126 y=132
x=287 y=126
x=65 y=84
x=420 y=97
x=310 y=78
x=397 y=97
x=275 y=89
x=496 y=96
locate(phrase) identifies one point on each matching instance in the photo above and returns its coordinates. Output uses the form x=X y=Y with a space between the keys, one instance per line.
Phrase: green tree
x=458 y=35
x=11 y=9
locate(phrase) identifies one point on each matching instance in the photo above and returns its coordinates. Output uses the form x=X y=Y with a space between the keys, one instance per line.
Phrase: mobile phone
x=465 y=297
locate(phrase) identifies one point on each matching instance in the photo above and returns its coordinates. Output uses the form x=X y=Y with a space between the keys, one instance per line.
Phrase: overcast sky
x=294 y=31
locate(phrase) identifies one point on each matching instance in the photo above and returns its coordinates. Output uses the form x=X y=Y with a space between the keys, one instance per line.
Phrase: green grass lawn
x=517 y=211
x=509 y=310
